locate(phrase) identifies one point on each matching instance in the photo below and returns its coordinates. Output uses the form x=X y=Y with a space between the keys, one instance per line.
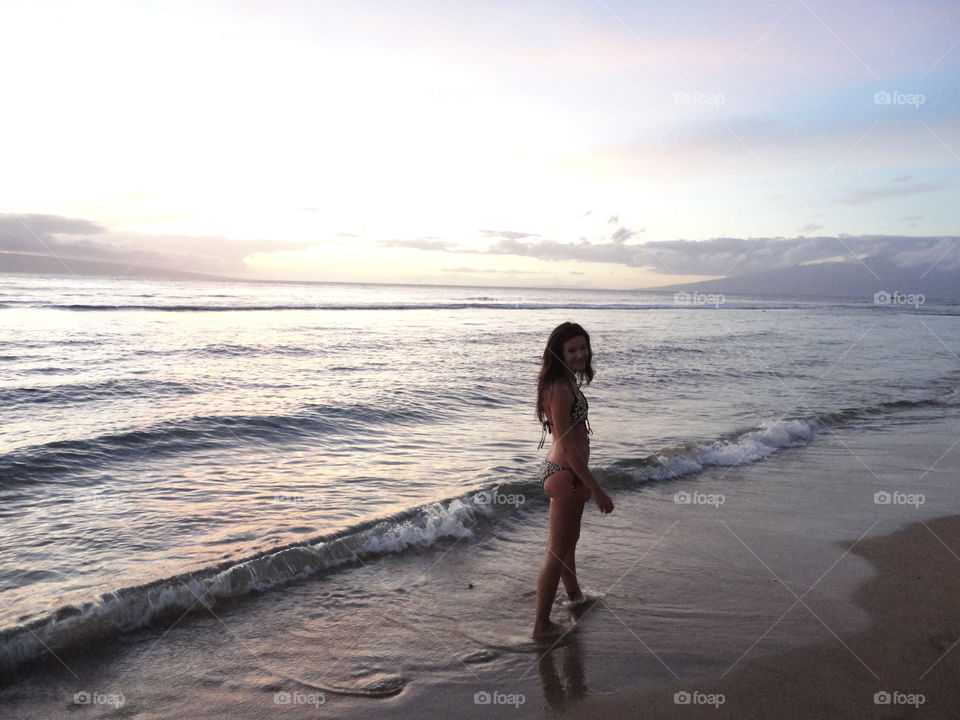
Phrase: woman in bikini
x=564 y=474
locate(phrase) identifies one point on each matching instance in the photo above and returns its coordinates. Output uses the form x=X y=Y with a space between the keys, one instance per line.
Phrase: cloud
x=509 y=234
x=483 y=270
x=810 y=227
x=944 y=254
x=35 y=233
x=421 y=244
x=902 y=187
x=441 y=245
x=85 y=239
x=734 y=256
x=76 y=238
x=552 y=250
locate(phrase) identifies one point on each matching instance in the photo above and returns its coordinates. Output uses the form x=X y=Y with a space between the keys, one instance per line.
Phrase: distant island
x=15 y=262
x=859 y=279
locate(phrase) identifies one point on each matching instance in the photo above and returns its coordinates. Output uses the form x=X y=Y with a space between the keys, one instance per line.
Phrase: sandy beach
x=905 y=664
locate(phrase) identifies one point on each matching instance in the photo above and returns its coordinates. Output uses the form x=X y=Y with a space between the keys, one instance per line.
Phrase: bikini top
x=578 y=414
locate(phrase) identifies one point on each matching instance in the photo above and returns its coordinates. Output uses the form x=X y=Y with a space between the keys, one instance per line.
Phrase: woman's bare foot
x=547 y=629
x=578 y=598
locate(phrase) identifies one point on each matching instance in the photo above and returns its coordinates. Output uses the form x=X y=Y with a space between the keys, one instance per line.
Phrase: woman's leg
x=566 y=508
x=568 y=571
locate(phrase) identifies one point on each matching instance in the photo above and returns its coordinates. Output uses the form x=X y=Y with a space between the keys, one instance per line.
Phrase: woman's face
x=576 y=355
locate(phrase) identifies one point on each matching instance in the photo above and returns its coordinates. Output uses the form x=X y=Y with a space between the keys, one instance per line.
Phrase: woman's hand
x=602 y=500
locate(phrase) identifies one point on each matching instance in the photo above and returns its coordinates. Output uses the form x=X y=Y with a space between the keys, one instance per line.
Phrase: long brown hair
x=553 y=369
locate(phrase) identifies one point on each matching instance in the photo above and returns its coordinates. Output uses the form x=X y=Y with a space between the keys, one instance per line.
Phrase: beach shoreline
x=909 y=653
x=242 y=514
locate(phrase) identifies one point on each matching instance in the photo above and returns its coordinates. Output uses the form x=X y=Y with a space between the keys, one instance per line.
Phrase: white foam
x=131 y=608
x=951 y=397
x=438 y=521
x=751 y=446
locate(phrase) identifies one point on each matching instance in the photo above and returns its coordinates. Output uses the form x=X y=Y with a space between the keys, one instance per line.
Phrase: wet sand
x=689 y=591
x=904 y=664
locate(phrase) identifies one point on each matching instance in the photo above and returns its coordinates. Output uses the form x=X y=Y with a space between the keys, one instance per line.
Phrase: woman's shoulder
x=559 y=386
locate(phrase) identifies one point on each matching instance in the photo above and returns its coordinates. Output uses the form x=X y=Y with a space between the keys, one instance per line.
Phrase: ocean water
x=331 y=487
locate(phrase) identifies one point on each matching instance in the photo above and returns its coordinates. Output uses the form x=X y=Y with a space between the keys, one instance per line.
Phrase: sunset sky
x=455 y=142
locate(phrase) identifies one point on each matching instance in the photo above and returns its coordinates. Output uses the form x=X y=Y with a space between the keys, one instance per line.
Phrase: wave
x=746 y=447
x=84 y=392
x=760 y=441
x=38 y=462
x=494 y=305
x=231 y=350
x=234 y=350
x=131 y=608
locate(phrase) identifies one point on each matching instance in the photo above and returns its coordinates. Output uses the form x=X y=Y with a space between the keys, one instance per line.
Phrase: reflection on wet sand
x=562 y=674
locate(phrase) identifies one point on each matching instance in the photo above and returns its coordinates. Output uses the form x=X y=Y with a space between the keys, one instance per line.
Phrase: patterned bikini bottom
x=546 y=468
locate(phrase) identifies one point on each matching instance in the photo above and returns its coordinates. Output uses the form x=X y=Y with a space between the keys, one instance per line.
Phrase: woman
x=564 y=474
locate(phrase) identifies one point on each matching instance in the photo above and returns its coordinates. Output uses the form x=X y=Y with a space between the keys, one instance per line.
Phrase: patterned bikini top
x=578 y=414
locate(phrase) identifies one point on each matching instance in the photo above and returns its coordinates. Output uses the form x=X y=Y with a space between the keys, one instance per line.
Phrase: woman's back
x=569 y=395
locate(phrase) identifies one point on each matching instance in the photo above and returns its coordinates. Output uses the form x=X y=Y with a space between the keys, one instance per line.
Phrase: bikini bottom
x=546 y=468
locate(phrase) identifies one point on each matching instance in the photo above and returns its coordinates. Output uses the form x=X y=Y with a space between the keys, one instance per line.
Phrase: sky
x=553 y=143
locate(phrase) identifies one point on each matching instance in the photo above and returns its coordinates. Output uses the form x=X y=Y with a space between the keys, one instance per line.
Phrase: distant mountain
x=855 y=279
x=13 y=262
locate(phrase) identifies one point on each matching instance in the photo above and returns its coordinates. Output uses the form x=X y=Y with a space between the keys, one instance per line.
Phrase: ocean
x=323 y=496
